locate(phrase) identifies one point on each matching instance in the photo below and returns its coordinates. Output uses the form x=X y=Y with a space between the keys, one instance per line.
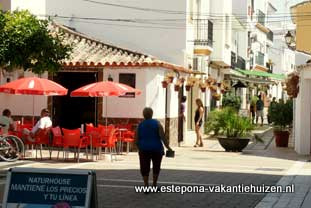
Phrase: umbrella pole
x=106 y=112
x=33 y=110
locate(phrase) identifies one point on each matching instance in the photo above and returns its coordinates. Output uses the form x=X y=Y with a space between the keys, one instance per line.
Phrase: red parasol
x=33 y=86
x=101 y=89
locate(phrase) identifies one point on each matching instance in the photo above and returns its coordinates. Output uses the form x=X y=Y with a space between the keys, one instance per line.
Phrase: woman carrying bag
x=149 y=138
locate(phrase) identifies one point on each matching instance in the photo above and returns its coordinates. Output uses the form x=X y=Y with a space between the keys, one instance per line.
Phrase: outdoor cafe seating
x=93 y=140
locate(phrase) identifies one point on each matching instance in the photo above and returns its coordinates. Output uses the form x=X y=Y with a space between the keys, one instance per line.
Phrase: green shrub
x=281 y=114
x=229 y=123
x=230 y=100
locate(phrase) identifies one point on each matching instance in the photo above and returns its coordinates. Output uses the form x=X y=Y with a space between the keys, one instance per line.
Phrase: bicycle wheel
x=9 y=149
x=21 y=145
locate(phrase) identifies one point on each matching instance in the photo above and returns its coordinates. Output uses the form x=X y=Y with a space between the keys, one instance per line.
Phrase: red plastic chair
x=109 y=139
x=42 y=137
x=57 y=140
x=72 y=138
x=94 y=138
x=127 y=136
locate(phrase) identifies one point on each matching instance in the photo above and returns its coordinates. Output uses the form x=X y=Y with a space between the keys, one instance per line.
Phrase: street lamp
x=288 y=38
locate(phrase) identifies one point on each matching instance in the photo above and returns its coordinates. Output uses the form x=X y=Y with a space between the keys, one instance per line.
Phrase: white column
x=302 y=117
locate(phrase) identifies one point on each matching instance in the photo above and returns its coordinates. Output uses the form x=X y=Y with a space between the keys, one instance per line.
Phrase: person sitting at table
x=43 y=123
x=6 y=122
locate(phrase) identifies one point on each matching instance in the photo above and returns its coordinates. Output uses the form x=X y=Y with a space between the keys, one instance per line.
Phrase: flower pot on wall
x=281 y=138
x=170 y=79
x=203 y=89
x=176 y=88
x=164 y=84
x=188 y=87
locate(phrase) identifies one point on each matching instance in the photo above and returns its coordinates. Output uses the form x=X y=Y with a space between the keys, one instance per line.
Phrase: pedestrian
x=6 y=122
x=272 y=104
x=259 y=110
x=149 y=138
x=198 y=120
x=182 y=119
x=252 y=110
x=44 y=123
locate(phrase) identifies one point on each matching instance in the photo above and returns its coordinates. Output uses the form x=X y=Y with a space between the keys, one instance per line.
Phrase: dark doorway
x=71 y=112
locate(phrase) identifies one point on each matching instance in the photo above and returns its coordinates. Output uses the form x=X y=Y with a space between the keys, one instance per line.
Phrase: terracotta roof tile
x=91 y=52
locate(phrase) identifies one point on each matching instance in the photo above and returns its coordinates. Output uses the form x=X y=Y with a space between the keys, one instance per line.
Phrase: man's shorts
x=259 y=113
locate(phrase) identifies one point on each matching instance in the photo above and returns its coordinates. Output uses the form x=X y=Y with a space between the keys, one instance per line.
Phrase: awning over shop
x=262 y=74
x=251 y=80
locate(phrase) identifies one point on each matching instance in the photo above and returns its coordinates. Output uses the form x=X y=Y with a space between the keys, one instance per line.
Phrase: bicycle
x=11 y=147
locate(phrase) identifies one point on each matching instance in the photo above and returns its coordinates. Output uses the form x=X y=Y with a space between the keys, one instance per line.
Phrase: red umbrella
x=104 y=88
x=33 y=86
x=101 y=89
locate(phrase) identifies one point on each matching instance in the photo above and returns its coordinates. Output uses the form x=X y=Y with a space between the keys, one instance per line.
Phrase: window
x=130 y=80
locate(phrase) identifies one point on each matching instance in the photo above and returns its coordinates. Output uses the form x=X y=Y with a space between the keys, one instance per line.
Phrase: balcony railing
x=270 y=36
x=241 y=64
x=203 y=33
x=261 y=17
x=260 y=59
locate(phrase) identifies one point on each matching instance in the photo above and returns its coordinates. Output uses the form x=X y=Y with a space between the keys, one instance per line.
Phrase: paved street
x=209 y=165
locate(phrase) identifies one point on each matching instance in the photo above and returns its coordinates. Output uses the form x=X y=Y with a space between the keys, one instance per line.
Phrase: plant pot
x=188 y=87
x=176 y=88
x=203 y=89
x=164 y=84
x=233 y=144
x=170 y=79
x=182 y=80
x=281 y=138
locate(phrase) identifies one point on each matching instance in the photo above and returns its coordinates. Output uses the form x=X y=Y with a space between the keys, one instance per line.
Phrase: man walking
x=259 y=109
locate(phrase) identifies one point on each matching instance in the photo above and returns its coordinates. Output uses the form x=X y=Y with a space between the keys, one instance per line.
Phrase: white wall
x=303 y=114
x=222 y=31
x=163 y=39
x=22 y=105
x=301 y=58
x=126 y=107
x=37 y=7
x=148 y=80
x=155 y=98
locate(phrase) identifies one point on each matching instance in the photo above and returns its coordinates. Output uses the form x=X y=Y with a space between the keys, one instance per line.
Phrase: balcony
x=237 y=61
x=260 y=62
x=203 y=41
x=270 y=36
x=261 y=21
x=241 y=63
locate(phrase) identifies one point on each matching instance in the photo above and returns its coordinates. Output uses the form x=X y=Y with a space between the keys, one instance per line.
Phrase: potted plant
x=281 y=115
x=164 y=83
x=177 y=87
x=202 y=86
x=232 y=130
x=170 y=77
x=188 y=86
x=216 y=96
x=229 y=100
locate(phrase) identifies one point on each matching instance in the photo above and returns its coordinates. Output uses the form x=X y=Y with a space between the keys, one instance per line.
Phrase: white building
x=175 y=31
